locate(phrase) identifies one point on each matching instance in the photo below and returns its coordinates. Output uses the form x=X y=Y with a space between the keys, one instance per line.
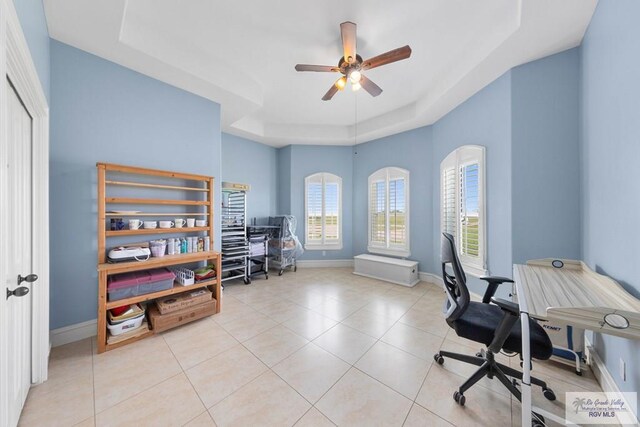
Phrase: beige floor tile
x=388 y=308
x=266 y=401
x=59 y=403
x=275 y=344
x=370 y=323
x=282 y=311
x=413 y=340
x=482 y=408
x=310 y=324
x=359 y=400
x=345 y=342
x=395 y=368
x=198 y=341
x=225 y=373
x=336 y=310
x=89 y=422
x=150 y=359
x=249 y=326
x=170 y=403
x=427 y=321
x=314 y=418
x=311 y=371
x=232 y=314
x=420 y=417
x=202 y=420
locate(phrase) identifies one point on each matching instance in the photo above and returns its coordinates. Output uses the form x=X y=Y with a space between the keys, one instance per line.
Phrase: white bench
x=400 y=271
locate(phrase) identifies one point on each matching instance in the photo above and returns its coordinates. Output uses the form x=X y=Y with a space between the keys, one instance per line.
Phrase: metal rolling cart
x=284 y=245
x=258 y=250
x=235 y=247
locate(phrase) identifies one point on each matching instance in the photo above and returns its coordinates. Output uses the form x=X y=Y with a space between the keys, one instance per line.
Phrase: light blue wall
x=283 y=163
x=310 y=159
x=545 y=166
x=34 y=26
x=102 y=112
x=413 y=151
x=250 y=162
x=610 y=143
x=484 y=119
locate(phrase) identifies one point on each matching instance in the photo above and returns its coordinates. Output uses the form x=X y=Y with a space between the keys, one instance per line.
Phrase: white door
x=19 y=301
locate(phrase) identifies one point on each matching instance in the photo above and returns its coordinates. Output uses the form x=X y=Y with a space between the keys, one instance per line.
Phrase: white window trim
x=399 y=251
x=322 y=246
x=456 y=159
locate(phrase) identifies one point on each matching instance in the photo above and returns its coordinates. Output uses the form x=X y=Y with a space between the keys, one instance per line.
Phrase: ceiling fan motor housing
x=346 y=68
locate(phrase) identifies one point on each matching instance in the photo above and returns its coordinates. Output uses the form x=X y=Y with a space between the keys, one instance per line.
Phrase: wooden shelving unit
x=196 y=184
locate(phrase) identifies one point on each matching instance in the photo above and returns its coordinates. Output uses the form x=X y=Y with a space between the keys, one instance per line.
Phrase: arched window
x=389 y=212
x=323 y=211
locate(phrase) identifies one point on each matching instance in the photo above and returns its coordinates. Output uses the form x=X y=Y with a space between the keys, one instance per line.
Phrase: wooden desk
x=569 y=292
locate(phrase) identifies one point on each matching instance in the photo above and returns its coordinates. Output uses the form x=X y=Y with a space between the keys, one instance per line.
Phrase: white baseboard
x=430 y=278
x=73 y=333
x=602 y=374
x=325 y=263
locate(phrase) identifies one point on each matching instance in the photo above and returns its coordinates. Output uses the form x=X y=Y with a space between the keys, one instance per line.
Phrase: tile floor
x=319 y=347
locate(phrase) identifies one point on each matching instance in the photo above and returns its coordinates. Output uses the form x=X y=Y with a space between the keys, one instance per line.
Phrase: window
x=462 y=205
x=389 y=212
x=323 y=211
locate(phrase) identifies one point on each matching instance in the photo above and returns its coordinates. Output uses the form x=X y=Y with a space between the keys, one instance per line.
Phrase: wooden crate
x=163 y=322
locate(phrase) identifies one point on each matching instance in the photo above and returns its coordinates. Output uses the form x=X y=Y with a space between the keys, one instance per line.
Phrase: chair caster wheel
x=549 y=394
x=537 y=420
x=579 y=373
x=459 y=398
x=439 y=359
x=479 y=354
x=280 y=272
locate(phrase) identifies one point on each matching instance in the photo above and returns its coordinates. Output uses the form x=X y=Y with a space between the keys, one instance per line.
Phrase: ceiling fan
x=351 y=64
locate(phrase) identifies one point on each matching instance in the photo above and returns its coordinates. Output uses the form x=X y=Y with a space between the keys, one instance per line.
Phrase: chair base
x=490 y=368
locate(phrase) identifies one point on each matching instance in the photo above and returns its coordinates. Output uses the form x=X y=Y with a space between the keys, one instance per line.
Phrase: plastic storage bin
x=126 y=326
x=139 y=283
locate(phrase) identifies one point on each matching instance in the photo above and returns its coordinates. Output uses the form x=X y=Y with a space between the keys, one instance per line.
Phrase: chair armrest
x=492 y=286
x=508 y=306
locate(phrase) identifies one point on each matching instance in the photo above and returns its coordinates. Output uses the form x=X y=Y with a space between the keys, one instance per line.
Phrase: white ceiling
x=242 y=54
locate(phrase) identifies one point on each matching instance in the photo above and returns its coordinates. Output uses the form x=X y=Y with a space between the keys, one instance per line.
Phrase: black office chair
x=494 y=322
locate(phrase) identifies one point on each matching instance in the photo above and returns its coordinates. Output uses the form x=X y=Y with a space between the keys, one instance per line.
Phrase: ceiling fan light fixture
x=355 y=86
x=355 y=76
x=341 y=83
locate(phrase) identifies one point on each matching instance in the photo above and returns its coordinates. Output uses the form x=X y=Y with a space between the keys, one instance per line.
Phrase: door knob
x=19 y=291
x=30 y=278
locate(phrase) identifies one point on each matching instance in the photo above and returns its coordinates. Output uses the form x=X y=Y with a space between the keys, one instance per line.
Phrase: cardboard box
x=172 y=303
x=163 y=322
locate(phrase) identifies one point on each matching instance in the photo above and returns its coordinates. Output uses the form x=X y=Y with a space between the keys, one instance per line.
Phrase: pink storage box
x=136 y=283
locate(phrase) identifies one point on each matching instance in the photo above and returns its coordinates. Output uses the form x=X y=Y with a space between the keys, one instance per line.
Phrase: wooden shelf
x=155 y=262
x=110 y=175
x=177 y=289
x=122 y=215
x=139 y=231
x=158 y=186
x=134 y=201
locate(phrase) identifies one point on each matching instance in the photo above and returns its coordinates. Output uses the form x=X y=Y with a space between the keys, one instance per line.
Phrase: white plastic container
x=184 y=276
x=126 y=326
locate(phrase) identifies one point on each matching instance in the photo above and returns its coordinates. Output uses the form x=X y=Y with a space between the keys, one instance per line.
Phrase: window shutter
x=314 y=209
x=397 y=212
x=449 y=216
x=378 y=211
x=469 y=211
x=331 y=211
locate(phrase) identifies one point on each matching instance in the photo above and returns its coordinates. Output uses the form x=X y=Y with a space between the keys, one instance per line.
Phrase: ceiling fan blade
x=369 y=86
x=332 y=91
x=348 y=32
x=386 y=58
x=318 y=68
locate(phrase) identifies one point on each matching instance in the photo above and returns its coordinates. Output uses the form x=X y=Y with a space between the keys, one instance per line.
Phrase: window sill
x=391 y=252
x=317 y=247
x=474 y=271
